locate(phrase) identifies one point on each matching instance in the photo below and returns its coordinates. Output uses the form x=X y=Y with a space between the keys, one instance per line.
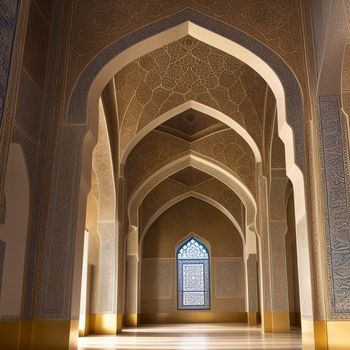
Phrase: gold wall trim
x=194 y=317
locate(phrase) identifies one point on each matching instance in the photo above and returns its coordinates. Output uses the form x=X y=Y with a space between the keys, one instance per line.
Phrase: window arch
x=193 y=279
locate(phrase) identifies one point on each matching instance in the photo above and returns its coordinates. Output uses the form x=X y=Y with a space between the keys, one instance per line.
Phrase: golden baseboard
x=103 y=324
x=276 y=322
x=266 y=322
x=280 y=322
x=120 y=318
x=10 y=333
x=61 y=333
x=194 y=317
x=252 y=318
x=314 y=335
x=131 y=320
x=338 y=334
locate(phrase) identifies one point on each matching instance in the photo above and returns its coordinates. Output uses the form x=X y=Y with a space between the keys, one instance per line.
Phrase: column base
x=130 y=320
x=39 y=335
x=252 y=318
x=120 y=318
x=275 y=322
x=280 y=322
x=326 y=335
x=103 y=324
x=338 y=335
x=10 y=332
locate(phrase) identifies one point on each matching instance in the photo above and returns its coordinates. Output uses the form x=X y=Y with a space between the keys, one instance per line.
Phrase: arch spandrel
x=103 y=25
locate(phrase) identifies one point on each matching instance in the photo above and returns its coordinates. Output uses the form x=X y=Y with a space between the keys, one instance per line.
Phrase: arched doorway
x=293 y=159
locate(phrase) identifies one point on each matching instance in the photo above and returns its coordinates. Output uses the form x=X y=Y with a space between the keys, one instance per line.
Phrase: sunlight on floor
x=194 y=337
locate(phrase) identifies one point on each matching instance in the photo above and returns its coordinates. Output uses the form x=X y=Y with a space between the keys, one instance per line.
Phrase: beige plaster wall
x=158 y=284
x=13 y=234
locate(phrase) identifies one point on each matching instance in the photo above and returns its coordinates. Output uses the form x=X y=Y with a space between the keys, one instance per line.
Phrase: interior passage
x=194 y=337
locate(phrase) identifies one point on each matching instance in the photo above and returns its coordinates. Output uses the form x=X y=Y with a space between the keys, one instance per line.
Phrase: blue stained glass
x=193 y=283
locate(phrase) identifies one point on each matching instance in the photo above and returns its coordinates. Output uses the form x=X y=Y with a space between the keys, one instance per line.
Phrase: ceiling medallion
x=190 y=118
x=188 y=42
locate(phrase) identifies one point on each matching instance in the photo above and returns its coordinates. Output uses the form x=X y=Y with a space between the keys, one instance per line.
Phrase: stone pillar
x=264 y=255
x=60 y=256
x=132 y=278
x=334 y=154
x=278 y=258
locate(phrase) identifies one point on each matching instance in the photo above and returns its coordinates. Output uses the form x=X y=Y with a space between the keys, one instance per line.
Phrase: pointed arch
x=200 y=163
x=184 y=196
x=200 y=107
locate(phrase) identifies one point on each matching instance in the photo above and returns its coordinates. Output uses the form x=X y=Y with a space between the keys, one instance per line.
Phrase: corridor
x=194 y=337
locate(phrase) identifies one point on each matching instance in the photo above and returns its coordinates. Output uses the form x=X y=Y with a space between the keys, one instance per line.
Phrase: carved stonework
x=13 y=18
x=294 y=106
x=336 y=204
x=98 y=24
x=156 y=149
x=53 y=289
x=8 y=19
x=186 y=70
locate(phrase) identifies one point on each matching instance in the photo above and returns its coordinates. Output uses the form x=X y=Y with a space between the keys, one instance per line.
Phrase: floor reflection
x=194 y=337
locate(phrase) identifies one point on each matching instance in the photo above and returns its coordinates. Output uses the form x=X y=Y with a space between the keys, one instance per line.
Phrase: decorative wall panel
x=335 y=173
x=158 y=272
x=228 y=277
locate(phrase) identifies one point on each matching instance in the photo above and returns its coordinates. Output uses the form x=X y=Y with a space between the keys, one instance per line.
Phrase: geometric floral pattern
x=8 y=18
x=193 y=280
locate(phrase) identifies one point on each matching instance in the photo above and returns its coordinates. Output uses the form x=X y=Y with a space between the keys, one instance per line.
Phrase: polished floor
x=194 y=337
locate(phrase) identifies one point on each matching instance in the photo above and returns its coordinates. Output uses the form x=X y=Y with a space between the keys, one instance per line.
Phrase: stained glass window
x=193 y=283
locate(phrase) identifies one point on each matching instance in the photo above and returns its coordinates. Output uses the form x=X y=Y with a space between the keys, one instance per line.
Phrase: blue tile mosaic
x=8 y=19
x=336 y=202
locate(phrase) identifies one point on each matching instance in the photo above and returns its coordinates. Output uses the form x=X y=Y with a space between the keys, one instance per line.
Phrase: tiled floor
x=194 y=337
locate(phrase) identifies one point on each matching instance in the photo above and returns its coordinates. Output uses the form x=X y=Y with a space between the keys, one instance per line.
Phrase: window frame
x=206 y=276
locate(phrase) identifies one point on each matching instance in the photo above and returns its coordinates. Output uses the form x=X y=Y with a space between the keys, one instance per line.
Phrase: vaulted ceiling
x=154 y=87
